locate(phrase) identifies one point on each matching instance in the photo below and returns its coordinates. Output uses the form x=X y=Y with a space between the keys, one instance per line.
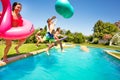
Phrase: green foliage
x=101 y=28
x=89 y=38
x=68 y=32
x=95 y=40
x=98 y=27
x=31 y=39
x=45 y=28
x=79 y=38
x=69 y=38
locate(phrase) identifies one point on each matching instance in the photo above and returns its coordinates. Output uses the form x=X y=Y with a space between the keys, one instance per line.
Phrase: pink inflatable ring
x=9 y=32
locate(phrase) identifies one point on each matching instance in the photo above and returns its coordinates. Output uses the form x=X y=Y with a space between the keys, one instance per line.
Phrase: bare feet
x=62 y=50
x=5 y=60
x=17 y=50
x=37 y=45
x=47 y=53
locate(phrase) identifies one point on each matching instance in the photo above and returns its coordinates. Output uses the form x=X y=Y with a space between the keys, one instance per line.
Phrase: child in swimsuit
x=38 y=36
x=16 y=21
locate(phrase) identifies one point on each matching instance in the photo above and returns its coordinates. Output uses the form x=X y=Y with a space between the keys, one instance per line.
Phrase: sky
x=86 y=13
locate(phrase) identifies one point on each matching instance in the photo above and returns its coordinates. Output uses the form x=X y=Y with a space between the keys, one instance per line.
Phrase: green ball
x=64 y=8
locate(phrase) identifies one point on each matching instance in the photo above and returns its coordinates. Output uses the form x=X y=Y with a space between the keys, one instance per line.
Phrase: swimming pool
x=73 y=64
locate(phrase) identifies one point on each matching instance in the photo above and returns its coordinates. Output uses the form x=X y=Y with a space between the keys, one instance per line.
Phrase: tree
x=89 y=38
x=45 y=28
x=102 y=28
x=79 y=38
x=98 y=27
x=69 y=36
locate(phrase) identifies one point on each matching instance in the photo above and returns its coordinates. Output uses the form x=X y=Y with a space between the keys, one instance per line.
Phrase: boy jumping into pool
x=51 y=35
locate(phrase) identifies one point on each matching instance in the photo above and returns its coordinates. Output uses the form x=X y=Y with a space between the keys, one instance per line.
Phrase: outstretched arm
x=51 y=23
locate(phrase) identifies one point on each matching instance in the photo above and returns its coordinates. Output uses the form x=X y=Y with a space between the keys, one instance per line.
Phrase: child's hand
x=53 y=17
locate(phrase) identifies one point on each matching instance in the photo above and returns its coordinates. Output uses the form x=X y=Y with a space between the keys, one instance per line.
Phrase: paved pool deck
x=18 y=57
x=112 y=54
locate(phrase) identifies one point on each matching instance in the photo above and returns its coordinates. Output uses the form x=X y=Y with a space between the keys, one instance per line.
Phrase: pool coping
x=110 y=53
x=18 y=57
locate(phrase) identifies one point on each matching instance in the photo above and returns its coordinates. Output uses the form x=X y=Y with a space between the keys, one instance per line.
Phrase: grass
x=117 y=54
x=25 y=48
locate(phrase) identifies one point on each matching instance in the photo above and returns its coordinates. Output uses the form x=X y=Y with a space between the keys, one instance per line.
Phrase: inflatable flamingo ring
x=9 y=32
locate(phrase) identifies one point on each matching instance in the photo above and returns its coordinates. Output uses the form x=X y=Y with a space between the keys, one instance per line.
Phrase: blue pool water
x=73 y=64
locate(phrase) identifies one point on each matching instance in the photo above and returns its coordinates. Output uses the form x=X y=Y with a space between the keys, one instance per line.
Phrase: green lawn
x=116 y=54
x=25 y=48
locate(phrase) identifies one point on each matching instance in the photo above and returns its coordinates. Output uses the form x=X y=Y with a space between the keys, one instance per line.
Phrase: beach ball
x=64 y=8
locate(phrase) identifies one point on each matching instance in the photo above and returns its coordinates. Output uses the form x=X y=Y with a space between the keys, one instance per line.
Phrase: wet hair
x=14 y=4
x=41 y=29
x=53 y=31
x=58 y=29
x=48 y=20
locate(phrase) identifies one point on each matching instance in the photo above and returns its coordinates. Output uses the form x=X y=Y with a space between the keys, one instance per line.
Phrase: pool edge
x=18 y=57
x=110 y=53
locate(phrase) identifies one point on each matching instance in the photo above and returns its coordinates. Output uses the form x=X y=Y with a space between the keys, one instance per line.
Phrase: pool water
x=73 y=64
